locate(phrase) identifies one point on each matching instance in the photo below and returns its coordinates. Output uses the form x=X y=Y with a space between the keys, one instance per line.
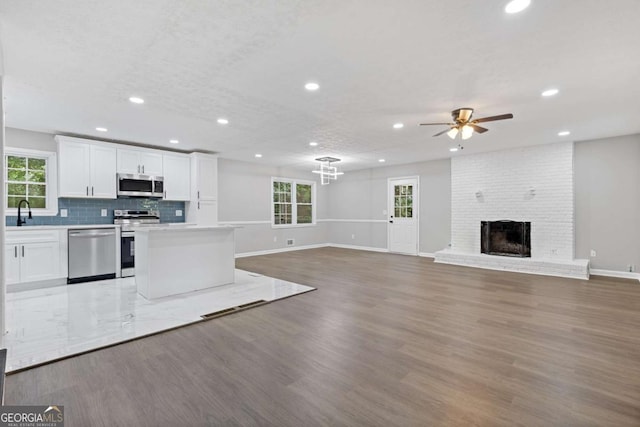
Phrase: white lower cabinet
x=33 y=256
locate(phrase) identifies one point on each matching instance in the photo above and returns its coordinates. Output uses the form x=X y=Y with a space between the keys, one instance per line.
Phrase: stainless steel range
x=129 y=221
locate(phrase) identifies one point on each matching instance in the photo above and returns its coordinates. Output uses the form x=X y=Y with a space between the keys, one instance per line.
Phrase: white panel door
x=151 y=163
x=403 y=215
x=12 y=264
x=39 y=261
x=74 y=174
x=128 y=161
x=177 y=177
x=103 y=172
x=207 y=212
x=207 y=171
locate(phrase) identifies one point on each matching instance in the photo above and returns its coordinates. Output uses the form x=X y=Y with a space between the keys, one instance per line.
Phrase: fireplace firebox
x=509 y=238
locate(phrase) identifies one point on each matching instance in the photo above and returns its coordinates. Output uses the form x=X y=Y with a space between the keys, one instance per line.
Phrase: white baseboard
x=278 y=250
x=358 y=248
x=426 y=254
x=613 y=273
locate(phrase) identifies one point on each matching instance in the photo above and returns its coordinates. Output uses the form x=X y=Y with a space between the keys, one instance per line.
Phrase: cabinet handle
x=165 y=194
x=23 y=251
x=142 y=168
x=138 y=168
x=92 y=190
x=198 y=204
x=15 y=252
x=87 y=190
x=198 y=195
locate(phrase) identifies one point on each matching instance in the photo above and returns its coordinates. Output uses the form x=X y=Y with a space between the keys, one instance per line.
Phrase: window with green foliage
x=293 y=202
x=403 y=201
x=26 y=179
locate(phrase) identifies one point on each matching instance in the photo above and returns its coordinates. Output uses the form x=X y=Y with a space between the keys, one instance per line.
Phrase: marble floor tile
x=50 y=323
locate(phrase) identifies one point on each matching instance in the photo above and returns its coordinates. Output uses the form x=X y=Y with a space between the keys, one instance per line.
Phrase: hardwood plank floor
x=385 y=340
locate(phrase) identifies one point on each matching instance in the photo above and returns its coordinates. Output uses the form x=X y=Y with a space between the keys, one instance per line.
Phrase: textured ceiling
x=71 y=65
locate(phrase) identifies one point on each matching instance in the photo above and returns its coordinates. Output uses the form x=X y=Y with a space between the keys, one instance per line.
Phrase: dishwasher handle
x=91 y=233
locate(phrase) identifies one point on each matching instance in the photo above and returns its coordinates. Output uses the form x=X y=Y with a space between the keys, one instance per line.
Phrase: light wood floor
x=386 y=340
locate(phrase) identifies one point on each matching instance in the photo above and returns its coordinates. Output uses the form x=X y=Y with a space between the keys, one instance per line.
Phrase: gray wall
x=607 y=186
x=244 y=198
x=363 y=195
x=19 y=138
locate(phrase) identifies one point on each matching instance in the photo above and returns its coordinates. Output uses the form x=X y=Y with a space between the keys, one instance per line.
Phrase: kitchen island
x=175 y=260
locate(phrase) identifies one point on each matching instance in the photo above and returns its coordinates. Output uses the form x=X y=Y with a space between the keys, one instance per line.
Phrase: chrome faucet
x=20 y=220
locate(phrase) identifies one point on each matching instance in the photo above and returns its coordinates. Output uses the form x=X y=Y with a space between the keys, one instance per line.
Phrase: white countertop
x=60 y=227
x=180 y=227
x=169 y=225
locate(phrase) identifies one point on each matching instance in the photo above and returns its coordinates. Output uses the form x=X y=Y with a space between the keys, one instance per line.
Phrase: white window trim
x=294 y=205
x=52 y=180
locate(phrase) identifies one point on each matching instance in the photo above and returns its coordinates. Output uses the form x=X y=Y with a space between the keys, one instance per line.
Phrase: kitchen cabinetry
x=177 y=177
x=32 y=256
x=86 y=169
x=144 y=162
x=202 y=208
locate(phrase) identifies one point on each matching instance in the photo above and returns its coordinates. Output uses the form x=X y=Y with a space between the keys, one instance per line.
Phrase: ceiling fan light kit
x=464 y=125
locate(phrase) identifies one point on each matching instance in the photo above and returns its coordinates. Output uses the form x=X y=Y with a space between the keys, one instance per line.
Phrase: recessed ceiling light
x=398 y=126
x=223 y=121
x=99 y=129
x=136 y=100
x=311 y=86
x=174 y=141
x=313 y=144
x=258 y=156
x=564 y=133
x=381 y=160
x=550 y=92
x=453 y=149
x=515 y=6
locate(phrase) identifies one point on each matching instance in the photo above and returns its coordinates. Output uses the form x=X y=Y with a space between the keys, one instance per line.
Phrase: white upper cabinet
x=144 y=162
x=176 y=173
x=86 y=168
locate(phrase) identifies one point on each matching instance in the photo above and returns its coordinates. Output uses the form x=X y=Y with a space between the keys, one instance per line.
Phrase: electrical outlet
x=631 y=268
x=384 y=212
x=290 y=242
x=275 y=238
x=103 y=212
x=178 y=212
x=353 y=236
x=63 y=213
x=593 y=252
x=554 y=252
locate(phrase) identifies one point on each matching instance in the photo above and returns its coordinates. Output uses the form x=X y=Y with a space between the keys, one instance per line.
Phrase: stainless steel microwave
x=133 y=185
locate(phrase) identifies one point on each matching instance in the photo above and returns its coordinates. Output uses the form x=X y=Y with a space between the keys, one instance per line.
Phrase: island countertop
x=177 y=227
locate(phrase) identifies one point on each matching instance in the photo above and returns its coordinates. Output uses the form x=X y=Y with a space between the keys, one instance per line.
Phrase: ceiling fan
x=463 y=123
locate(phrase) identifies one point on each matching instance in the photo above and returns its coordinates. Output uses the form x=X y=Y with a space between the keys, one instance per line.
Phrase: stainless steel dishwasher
x=92 y=254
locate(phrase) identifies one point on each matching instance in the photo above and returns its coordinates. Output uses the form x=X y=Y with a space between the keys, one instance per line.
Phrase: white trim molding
x=267 y=222
x=426 y=254
x=614 y=273
x=278 y=250
x=358 y=248
x=354 y=220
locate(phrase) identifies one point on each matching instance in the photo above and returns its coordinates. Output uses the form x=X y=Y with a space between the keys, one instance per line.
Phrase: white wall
x=529 y=184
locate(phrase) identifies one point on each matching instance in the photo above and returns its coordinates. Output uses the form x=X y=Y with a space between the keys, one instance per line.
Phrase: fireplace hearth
x=507 y=238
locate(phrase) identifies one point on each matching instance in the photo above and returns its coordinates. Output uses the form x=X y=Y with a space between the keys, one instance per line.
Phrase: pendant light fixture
x=326 y=171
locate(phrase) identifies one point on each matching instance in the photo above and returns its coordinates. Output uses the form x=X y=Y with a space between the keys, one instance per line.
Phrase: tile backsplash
x=88 y=211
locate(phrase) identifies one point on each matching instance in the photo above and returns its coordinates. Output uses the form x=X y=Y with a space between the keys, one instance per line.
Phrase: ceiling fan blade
x=478 y=129
x=443 y=132
x=438 y=124
x=493 y=118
